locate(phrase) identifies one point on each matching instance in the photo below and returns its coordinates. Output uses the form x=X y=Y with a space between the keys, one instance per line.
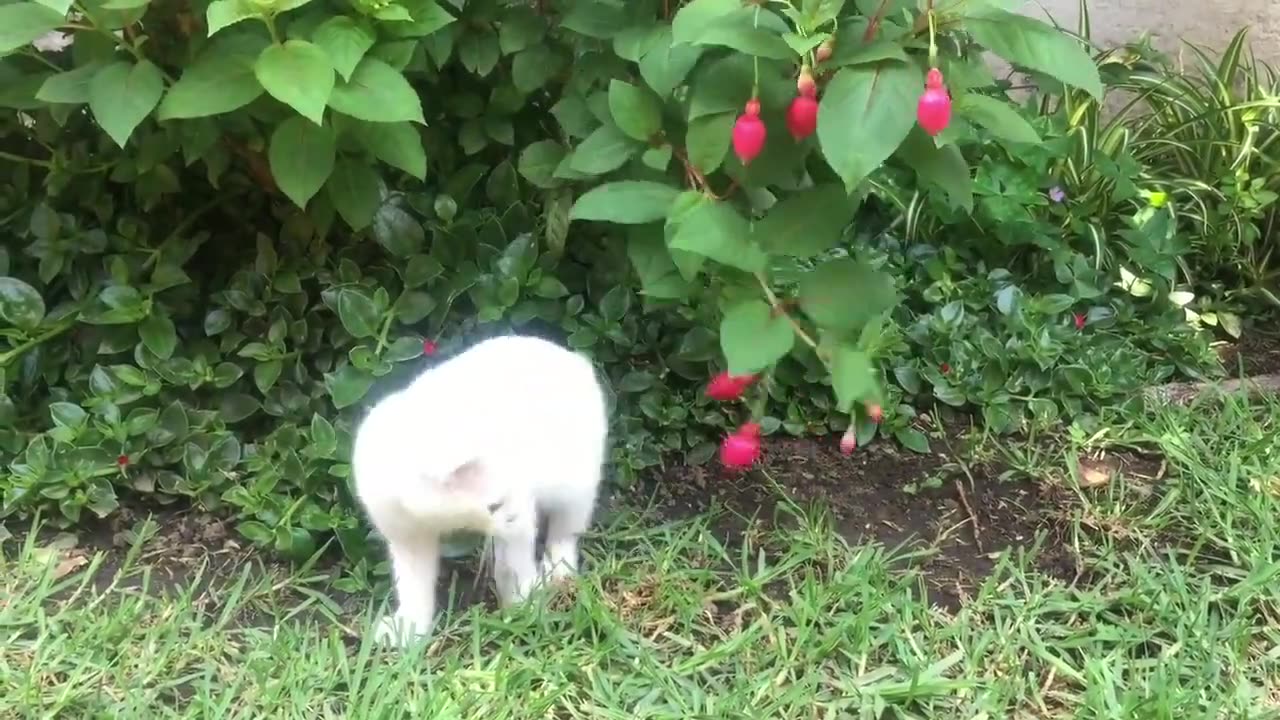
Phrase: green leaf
x=354 y=191
x=538 y=163
x=324 y=440
x=943 y=166
x=478 y=51
x=219 y=81
x=604 y=150
x=301 y=157
x=629 y=202
x=865 y=113
x=998 y=117
x=346 y=41
x=744 y=31
x=347 y=386
x=222 y=14
x=158 y=334
x=299 y=75
x=754 y=337
x=808 y=222
x=377 y=92
x=665 y=65
x=403 y=349
x=635 y=110
x=396 y=144
x=413 y=306
x=708 y=139
x=533 y=68
x=659 y=276
x=844 y=294
x=428 y=17
x=22 y=22
x=266 y=373
x=121 y=96
x=20 y=304
x=1036 y=45
x=696 y=17
x=71 y=87
x=420 y=270
x=359 y=313
x=715 y=230
x=852 y=377
x=397 y=231
x=912 y=439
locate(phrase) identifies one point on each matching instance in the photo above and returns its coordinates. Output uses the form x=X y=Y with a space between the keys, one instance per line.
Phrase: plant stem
x=26 y=160
x=382 y=334
x=772 y=297
x=53 y=332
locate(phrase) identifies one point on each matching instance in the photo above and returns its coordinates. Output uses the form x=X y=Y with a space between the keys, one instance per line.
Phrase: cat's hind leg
x=415 y=566
x=566 y=522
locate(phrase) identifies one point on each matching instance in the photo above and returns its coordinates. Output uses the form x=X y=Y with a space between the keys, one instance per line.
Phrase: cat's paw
x=399 y=631
x=555 y=572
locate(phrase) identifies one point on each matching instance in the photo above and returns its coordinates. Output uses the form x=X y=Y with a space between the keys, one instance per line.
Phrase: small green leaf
x=346 y=41
x=222 y=14
x=121 y=96
x=754 y=337
x=696 y=17
x=912 y=439
x=20 y=304
x=844 y=294
x=377 y=92
x=808 y=222
x=301 y=157
x=299 y=75
x=538 y=163
x=743 y=31
x=403 y=349
x=159 y=335
x=707 y=140
x=354 y=191
x=397 y=231
x=659 y=276
x=998 y=117
x=943 y=166
x=628 y=202
x=713 y=229
x=635 y=110
x=604 y=150
x=665 y=65
x=359 y=313
x=852 y=376
x=324 y=439
x=396 y=144
x=266 y=373
x=1036 y=45
x=22 y=22
x=420 y=270
x=865 y=114
x=219 y=81
x=428 y=17
x=347 y=386
x=71 y=87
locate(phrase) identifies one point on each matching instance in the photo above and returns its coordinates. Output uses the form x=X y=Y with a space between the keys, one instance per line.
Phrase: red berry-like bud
x=823 y=53
x=740 y=450
x=749 y=134
x=848 y=441
x=933 y=112
x=724 y=387
x=805 y=85
x=1080 y=321
x=945 y=368
x=429 y=347
x=122 y=461
x=875 y=412
x=802 y=117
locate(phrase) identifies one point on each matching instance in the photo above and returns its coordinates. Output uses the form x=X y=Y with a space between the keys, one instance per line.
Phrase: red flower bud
x=724 y=387
x=749 y=133
x=848 y=441
x=740 y=450
x=122 y=461
x=875 y=412
x=805 y=86
x=1080 y=321
x=933 y=112
x=823 y=53
x=945 y=368
x=429 y=347
x=802 y=117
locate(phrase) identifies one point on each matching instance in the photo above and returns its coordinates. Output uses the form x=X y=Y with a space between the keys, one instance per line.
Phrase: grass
x=1176 y=616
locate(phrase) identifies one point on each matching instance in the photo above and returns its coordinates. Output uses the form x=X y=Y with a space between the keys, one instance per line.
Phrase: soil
x=1257 y=353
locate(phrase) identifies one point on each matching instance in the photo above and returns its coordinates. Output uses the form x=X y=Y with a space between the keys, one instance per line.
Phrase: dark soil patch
x=894 y=497
x=1257 y=353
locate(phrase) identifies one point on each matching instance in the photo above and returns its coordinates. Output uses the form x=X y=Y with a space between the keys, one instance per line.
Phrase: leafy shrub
x=193 y=307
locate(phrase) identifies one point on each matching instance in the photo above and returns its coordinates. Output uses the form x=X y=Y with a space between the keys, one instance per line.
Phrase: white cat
x=485 y=441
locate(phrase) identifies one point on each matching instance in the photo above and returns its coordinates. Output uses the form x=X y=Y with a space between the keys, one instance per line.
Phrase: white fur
x=485 y=441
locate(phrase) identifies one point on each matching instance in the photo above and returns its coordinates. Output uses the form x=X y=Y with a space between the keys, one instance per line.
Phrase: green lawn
x=1177 y=617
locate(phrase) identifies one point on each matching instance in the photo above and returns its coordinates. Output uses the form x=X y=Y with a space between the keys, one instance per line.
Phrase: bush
x=193 y=307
